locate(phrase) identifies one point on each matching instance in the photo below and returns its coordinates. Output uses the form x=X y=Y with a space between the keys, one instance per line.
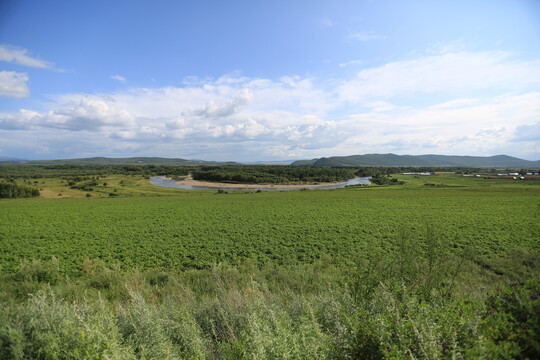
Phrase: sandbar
x=191 y=182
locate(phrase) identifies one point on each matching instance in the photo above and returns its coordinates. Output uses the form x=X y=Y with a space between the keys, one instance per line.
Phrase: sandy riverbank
x=189 y=181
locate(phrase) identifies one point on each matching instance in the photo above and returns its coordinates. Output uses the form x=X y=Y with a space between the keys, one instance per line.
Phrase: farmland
x=439 y=241
x=198 y=229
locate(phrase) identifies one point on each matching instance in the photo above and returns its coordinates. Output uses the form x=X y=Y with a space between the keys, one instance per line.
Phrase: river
x=164 y=182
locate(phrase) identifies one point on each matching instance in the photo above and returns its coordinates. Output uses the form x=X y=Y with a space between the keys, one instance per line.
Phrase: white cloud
x=89 y=114
x=23 y=119
x=228 y=108
x=119 y=78
x=481 y=128
x=455 y=103
x=383 y=106
x=528 y=132
x=447 y=47
x=352 y=62
x=13 y=84
x=327 y=22
x=367 y=36
x=443 y=73
x=19 y=56
x=224 y=97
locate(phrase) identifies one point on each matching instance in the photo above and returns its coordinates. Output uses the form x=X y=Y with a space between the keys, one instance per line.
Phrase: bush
x=38 y=271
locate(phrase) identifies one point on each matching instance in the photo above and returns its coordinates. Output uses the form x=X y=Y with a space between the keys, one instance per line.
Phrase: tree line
x=63 y=171
x=278 y=174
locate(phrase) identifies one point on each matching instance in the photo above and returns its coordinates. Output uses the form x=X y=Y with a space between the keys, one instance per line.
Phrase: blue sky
x=274 y=80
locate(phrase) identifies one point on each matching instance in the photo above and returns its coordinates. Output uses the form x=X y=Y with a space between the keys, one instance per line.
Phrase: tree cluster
x=272 y=174
x=10 y=191
x=385 y=180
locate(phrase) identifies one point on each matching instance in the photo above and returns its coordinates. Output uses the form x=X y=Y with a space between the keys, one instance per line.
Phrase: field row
x=197 y=229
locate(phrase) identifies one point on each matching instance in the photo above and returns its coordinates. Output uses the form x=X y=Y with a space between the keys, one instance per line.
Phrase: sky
x=269 y=80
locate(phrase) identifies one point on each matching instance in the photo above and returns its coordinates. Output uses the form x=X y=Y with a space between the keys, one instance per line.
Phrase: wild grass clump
x=418 y=303
x=45 y=327
x=38 y=271
x=422 y=302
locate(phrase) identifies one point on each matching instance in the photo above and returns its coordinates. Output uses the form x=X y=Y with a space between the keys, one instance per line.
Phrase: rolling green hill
x=304 y=162
x=502 y=161
x=124 y=161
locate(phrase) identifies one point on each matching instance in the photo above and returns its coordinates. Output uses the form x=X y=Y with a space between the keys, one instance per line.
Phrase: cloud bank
x=475 y=103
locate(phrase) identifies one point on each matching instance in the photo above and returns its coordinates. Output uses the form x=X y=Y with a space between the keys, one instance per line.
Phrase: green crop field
x=195 y=229
x=442 y=266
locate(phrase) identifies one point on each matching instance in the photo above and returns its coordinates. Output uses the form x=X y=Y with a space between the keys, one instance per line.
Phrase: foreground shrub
x=302 y=312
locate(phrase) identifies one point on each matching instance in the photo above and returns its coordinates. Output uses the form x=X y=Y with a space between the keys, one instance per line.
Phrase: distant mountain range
x=9 y=158
x=278 y=162
x=498 y=161
x=120 y=161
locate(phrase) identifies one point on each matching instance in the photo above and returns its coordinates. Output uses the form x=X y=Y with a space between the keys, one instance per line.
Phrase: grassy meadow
x=443 y=266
